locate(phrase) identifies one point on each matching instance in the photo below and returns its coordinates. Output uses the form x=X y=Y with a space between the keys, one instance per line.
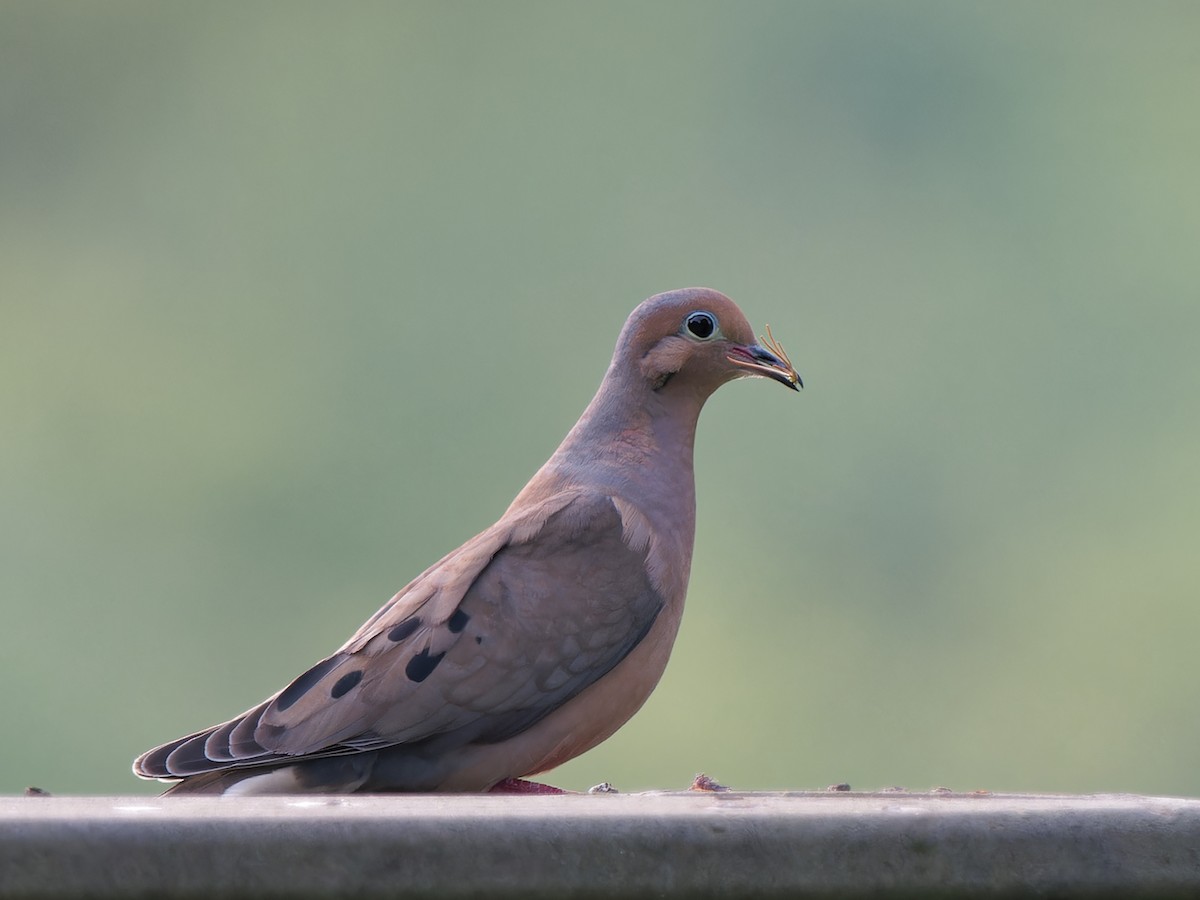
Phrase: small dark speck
x=479 y=638
x=458 y=621
x=345 y=683
x=404 y=629
x=921 y=847
x=421 y=665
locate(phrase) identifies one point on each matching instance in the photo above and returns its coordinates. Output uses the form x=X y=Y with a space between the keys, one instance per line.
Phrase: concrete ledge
x=659 y=844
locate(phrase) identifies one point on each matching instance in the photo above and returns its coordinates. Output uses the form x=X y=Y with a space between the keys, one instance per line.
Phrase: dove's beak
x=772 y=363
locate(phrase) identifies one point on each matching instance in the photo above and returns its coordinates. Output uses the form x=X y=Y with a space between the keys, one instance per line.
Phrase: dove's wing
x=486 y=642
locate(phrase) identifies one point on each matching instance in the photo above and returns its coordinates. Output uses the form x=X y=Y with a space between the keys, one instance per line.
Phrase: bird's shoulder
x=566 y=519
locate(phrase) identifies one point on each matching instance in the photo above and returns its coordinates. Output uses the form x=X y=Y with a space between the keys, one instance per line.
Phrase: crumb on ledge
x=703 y=783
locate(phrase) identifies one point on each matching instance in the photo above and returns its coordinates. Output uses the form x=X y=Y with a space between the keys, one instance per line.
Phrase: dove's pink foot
x=521 y=786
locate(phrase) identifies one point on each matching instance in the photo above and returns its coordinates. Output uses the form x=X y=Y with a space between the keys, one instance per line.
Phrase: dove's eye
x=701 y=325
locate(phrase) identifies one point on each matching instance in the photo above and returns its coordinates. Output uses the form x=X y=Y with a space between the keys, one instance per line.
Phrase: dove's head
x=695 y=340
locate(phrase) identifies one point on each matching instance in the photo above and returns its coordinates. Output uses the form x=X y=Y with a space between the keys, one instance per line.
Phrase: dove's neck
x=635 y=443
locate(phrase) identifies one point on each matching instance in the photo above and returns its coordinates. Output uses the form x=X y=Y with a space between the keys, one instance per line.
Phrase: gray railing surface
x=650 y=844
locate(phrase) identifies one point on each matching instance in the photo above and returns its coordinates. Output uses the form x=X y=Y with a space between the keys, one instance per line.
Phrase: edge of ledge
x=665 y=843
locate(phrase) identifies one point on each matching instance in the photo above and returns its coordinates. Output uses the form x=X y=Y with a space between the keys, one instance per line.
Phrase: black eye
x=701 y=325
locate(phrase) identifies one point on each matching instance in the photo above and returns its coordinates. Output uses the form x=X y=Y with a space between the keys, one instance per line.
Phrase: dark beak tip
x=768 y=364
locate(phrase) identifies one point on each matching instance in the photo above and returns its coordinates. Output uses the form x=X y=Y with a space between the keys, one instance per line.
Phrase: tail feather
x=331 y=774
x=230 y=744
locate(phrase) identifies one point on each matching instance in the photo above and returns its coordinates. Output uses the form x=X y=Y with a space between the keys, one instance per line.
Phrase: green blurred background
x=294 y=297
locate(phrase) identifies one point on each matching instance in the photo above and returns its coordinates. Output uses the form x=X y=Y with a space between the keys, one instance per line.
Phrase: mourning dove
x=538 y=638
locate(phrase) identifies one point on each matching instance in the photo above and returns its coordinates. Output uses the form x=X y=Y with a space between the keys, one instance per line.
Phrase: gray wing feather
x=484 y=643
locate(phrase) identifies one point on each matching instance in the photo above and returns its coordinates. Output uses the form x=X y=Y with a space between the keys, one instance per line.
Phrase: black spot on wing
x=421 y=665
x=404 y=629
x=458 y=621
x=304 y=683
x=345 y=683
